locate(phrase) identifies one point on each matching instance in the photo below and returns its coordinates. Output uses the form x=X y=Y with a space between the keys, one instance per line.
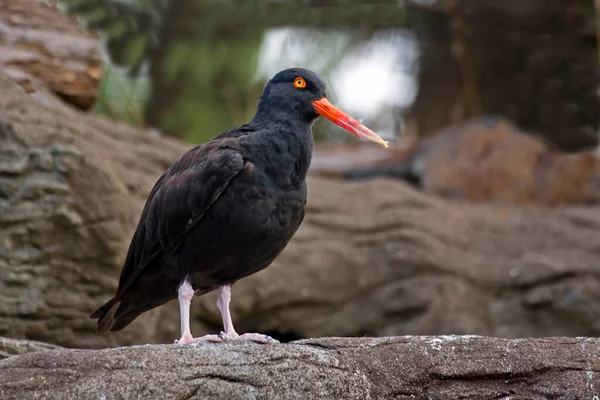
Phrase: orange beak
x=325 y=108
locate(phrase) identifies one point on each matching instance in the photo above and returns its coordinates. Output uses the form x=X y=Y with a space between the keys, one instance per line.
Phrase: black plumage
x=226 y=208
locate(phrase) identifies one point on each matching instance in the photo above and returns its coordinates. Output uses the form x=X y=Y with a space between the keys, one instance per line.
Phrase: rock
x=14 y=347
x=483 y=160
x=371 y=258
x=410 y=367
x=40 y=46
x=407 y=263
x=71 y=190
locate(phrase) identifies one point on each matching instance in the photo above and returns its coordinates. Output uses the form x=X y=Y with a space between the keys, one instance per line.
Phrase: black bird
x=226 y=208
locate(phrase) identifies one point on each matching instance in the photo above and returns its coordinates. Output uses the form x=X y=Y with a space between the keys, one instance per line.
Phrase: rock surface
x=372 y=258
x=40 y=46
x=71 y=189
x=14 y=347
x=482 y=160
x=402 y=368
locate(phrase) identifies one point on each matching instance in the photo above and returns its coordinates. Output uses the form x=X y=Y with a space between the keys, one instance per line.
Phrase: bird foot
x=227 y=337
x=202 y=339
x=247 y=337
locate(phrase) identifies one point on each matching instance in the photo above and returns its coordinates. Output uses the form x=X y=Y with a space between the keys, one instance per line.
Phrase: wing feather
x=178 y=201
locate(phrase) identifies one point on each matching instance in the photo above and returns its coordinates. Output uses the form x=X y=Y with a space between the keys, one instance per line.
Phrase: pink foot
x=202 y=339
x=247 y=337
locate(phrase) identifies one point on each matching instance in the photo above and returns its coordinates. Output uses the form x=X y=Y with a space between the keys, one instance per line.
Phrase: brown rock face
x=71 y=189
x=371 y=258
x=40 y=46
x=495 y=162
x=443 y=368
x=483 y=160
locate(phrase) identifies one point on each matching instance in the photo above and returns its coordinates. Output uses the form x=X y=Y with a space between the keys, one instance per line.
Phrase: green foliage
x=203 y=55
x=212 y=79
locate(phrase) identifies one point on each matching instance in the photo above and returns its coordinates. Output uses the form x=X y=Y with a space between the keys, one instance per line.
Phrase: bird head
x=301 y=94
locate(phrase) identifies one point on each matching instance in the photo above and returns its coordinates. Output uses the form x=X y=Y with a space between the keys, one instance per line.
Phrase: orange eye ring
x=299 y=82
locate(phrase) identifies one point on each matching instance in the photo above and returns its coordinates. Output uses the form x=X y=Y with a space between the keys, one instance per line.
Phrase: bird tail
x=106 y=315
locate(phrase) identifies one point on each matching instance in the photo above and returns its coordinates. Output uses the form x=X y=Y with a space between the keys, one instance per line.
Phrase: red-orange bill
x=325 y=108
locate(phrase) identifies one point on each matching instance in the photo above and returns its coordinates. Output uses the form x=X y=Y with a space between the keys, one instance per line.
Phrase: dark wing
x=177 y=202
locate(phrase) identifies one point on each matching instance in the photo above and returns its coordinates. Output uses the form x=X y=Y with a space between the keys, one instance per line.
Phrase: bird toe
x=271 y=339
x=257 y=338
x=202 y=339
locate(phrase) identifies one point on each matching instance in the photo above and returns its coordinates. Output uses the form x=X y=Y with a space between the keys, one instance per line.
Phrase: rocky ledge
x=407 y=367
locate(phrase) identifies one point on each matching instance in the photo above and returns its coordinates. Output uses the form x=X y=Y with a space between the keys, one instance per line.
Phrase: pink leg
x=185 y=294
x=223 y=299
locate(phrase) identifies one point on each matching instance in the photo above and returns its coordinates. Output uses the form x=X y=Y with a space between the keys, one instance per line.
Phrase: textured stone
x=483 y=160
x=71 y=189
x=410 y=367
x=14 y=347
x=41 y=47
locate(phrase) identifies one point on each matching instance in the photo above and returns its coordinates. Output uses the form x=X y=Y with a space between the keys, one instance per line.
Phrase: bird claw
x=248 y=337
x=202 y=339
x=270 y=339
x=227 y=337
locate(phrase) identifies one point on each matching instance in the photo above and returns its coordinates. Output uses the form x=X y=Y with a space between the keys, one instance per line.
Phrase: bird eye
x=299 y=82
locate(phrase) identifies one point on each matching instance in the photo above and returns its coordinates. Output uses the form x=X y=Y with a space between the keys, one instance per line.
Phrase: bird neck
x=283 y=109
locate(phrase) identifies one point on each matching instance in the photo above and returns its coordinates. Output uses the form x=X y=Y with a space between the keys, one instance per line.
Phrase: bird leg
x=223 y=299
x=185 y=295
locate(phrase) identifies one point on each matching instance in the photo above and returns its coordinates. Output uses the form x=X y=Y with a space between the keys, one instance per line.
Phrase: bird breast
x=271 y=203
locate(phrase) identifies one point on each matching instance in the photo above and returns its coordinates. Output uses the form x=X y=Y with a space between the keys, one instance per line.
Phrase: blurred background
x=483 y=214
x=419 y=64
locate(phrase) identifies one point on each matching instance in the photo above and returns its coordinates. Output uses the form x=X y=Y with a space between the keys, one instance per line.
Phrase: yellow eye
x=299 y=82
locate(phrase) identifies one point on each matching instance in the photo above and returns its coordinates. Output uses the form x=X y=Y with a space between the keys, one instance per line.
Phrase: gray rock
x=410 y=367
x=14 y=347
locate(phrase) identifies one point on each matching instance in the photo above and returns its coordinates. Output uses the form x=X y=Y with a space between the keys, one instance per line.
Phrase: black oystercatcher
x=226 y=208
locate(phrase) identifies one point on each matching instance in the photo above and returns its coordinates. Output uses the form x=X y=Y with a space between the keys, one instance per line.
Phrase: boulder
x=13 y=347
x=482 y=160
x=409 y=367
x=71 y=189
x=41 y=47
